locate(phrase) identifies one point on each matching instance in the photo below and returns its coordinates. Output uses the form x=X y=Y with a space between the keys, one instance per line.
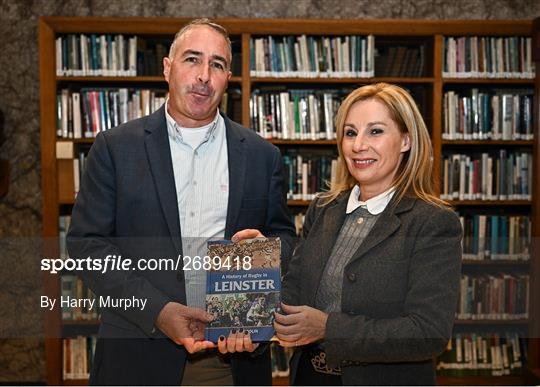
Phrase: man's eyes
x=218 y=65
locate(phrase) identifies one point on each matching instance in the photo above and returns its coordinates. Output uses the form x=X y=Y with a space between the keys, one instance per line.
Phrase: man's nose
x=204 y=73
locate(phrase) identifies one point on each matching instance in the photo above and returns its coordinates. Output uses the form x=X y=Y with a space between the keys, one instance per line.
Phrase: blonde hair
x=414 y=176
x=203 y=22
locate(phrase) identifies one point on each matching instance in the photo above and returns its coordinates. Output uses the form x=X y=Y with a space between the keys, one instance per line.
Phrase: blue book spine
x=494 y=235
x=504 y=235
x=102 y=110
x=94 y=57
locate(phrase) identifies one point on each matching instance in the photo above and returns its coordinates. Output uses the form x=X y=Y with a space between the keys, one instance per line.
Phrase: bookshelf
x=428 y=88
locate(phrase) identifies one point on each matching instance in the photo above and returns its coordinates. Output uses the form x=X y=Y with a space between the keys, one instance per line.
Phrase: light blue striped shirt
x=201 y=176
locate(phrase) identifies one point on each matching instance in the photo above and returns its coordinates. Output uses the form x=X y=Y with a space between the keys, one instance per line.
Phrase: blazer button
x=352 y=277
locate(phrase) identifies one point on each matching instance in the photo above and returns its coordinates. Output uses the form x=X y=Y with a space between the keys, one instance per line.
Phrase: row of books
x=77 y=356
x=496 y=237
x=295 y=114
x=96 y=55
x=493 y=115
x=498 y=175
x=312 y=56
x=85 y=113
x=483 y=354
x=72 y=288
x=400 y=61
x=493 y=297
x=307 y=175
x=488 y=57
x=467 y=354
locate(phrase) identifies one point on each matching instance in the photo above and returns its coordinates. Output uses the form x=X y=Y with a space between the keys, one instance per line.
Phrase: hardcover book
x=243 y=287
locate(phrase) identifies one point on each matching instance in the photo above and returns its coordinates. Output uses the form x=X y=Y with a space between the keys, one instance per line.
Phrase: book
x=243 y=287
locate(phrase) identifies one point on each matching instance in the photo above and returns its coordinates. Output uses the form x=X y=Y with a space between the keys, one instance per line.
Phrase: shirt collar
x=175 y=131
x=375 y=205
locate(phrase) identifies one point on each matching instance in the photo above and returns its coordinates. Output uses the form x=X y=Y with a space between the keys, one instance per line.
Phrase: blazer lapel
x=385 y=226
x=159 y=158
x=236 y=154
x=332 y=221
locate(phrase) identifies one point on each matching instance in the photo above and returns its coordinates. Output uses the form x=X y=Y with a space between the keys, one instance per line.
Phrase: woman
x=371 y=290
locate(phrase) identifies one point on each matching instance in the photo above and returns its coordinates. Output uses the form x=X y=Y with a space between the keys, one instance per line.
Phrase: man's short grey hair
x=202 y=22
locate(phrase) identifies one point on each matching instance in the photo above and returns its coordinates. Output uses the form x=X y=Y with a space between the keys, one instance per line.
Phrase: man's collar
x=375 y=205
x=175 y=129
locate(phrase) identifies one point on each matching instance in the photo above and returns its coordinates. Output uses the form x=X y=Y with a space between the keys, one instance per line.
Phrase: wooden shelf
x=80 y=322
x=303 y=142
x=279 y=80
x=280 y=381
x=492 y=322
x=496 y=262
x=298 y=203
x=480 y=380
x=81 y=140
x=488 y=142
x=137 y=79
x=75 y=382
x=490 y=81
x=108 y=79
x=459 y=203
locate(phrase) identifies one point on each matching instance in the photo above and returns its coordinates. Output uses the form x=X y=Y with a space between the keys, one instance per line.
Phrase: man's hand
x=247 y=233
x=237 y=341
x=184 y=326
x=302 y=325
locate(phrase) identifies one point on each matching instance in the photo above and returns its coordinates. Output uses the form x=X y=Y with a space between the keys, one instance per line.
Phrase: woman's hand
x=300 y=326
x=237 y=341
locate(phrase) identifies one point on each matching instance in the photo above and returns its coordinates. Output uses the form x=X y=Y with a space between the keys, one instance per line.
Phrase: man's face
x=197 y=74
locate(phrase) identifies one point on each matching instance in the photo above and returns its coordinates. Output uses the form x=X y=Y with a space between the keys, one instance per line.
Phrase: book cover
x=243 y=287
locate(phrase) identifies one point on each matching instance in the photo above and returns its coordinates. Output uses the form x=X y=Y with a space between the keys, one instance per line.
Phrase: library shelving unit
x=428 y=86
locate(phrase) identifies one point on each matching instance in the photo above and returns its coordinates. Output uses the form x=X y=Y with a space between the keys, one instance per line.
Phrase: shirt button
x=192 y=214
x=194 y=182
x=196 y=153
x=351 y=277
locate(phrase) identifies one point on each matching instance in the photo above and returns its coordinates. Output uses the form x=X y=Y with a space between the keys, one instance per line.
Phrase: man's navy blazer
x=127 y=206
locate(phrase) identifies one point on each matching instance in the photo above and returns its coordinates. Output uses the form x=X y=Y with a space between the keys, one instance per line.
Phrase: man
x=160 y=187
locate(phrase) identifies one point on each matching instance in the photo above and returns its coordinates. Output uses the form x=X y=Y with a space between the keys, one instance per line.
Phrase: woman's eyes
x=372 y=131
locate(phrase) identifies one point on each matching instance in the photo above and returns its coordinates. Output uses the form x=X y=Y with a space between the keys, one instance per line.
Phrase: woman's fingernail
x=233 y=331
x=246 y=333
x=221 y=338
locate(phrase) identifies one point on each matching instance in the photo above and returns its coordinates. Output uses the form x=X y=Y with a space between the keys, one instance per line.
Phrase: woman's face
x=373 y=146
